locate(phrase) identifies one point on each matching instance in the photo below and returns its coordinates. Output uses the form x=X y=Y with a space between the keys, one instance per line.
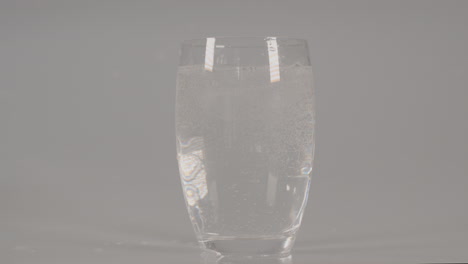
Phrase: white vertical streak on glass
x=273 y=59
x=209 y=53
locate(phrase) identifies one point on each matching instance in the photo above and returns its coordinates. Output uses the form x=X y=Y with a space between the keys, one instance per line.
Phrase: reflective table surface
x=42 y=243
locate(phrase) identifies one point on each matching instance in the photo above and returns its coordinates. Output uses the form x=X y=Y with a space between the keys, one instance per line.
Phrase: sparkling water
x=245 y=150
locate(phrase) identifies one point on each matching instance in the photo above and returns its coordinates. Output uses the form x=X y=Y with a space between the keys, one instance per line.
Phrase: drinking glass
x=245 y=141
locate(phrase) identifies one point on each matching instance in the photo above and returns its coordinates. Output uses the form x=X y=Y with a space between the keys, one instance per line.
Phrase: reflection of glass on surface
x=212 y=258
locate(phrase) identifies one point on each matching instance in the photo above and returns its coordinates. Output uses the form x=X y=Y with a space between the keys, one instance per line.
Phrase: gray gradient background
x=88 y=171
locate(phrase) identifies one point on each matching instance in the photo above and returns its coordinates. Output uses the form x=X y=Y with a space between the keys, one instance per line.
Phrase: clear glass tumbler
x=245 y=141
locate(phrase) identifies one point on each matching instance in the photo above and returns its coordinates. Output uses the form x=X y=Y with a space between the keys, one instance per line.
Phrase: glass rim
x=245 y=42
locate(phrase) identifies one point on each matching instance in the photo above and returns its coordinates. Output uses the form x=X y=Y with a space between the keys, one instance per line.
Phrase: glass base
x=271 y=246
